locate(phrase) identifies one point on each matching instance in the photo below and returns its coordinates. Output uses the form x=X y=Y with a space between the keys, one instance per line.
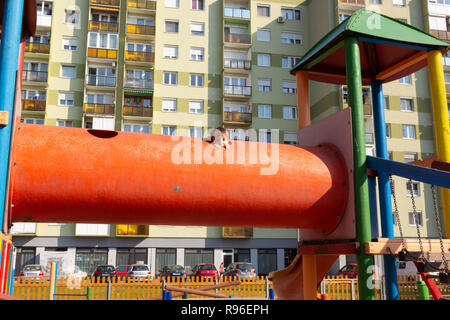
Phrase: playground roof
x=390 y=49
x=28 y=20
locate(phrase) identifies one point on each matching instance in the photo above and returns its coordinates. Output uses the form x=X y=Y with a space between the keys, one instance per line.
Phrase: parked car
x=240 y=270
x=139 y=270
x=173 y=271
x=104 y=271
x=122 y=270
x=32 y=271
x=205 y=270
x=349 y=271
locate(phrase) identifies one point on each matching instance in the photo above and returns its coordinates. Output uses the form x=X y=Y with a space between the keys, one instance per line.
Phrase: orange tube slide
x=73 y=175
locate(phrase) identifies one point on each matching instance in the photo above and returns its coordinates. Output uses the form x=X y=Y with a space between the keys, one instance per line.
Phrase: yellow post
x=309 y=277
x=52 y=288
x=441 y=122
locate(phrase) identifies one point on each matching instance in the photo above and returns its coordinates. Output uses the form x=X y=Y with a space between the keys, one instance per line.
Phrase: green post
x=89 y=293
x=362 y=207
x=185 y=296
x=422 y=291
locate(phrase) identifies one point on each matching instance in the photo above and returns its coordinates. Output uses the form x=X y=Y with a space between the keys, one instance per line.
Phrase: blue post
x=164 y=295
x=56 y=279
x=9 y=57
x=373 y=206
x=271 y=294
x=169 y=295
x=384 y=189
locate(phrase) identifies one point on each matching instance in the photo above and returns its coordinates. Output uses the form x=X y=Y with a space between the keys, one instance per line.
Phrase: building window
x=265 y=136
x=400 y=3
x=64 y=123
x=196 y=106
x=24 y=256
x=171 y=3
x=290 y=138
x=32 y=120
x=139 y=128
x=197 y=54
x=170 y=52
x=70 y=43
x=289 y=62
x=263 y=60
x=415 y=189
x=171 y=26
x=263 y=11
x=267 y=261
x=291 y=38
x=263 y=35
x=168 y=130
x=290 y=113
x=165 y=257
x=388 y=130
x=72 y=16
x=169 y=105
x=405 y=80
x=103 y=40
x=264 y=85
x=197 y=4
x=406 y=104
x=265 y=111
x=410 y=157
x=291 y=14
x=66 y=99
x=408 y=131
x=196 y=132
x=68 y=71
x=193 y=257
x=196 y=80
x=386 y=103
x=170 y=78
x=197 y=28
x=44 y=8
x=412 y=220
x=289 y=256
x=289 y=87
x=242 y=255
x=88 y=259
x=125 y=256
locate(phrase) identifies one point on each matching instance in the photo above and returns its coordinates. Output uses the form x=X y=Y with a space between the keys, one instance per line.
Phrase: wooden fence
x=337 y=288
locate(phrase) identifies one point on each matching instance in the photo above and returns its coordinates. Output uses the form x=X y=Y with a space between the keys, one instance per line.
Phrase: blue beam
x=415 y=46
x=9 y=57
x=410 y=171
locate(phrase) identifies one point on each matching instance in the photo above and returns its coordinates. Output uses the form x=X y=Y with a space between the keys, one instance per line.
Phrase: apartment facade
x=182 y=68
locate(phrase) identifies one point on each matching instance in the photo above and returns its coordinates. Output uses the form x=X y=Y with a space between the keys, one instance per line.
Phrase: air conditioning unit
x=281 y=19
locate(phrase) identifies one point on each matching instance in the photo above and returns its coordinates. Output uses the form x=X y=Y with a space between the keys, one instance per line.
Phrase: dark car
x=240 y=270
x=348 y=271
x=173 y=271
x=104 y=271
x=205 y=270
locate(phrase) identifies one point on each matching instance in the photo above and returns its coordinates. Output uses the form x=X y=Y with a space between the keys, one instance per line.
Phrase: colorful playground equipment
x=321 y=186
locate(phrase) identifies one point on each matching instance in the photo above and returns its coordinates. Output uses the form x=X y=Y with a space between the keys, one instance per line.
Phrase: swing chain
x=416 y=219
x=438 y=223
x=397 y=216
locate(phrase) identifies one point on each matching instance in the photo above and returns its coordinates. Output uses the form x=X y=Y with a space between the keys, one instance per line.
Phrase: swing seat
x=406 y=256
x=444 y=278
x=426 y=266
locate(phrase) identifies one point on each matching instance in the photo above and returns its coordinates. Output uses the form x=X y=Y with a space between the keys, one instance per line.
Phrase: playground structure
x=321 y=186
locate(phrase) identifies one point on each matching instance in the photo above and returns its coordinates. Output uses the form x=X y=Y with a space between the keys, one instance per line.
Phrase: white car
x=32 y=271
x=139 y=270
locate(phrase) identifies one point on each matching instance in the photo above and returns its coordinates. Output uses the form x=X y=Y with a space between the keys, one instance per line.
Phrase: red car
x=349 y=271
x=122 y=271
x=205 y=270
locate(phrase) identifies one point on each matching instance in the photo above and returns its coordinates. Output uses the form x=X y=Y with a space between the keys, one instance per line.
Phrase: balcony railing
x=358 y=2
x=143 y=30
x=137 y=111
x=238 y=38
x=35 y=76
x=105 y=81
x=443 y=35
x=36 y=47
x=102 y=53
x=240 y=117
x=132 y=230
x=142 y=4
x=95 y=108
x=237 y=13
x=103 y=26
x=33 y=105
x=138 y=83
x=106 y=2
x=237 y=64
x=140 y=56
x=237 y=90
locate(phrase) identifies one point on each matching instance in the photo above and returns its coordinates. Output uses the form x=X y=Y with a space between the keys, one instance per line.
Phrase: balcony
x=34 y=76
x=237 y=232
x=95 y=108
x=33 y=105
x=140 y=30
x=238 y=38
x=114 y=3
x=357 y=2
x=37 y=47
x=139 y=56
x=132 y=230
x=232 y=90
x=102 y=53
x=237 y=117
x=103 y=26
x=236 y=13
x=137 y=111
x=142 y=4
x=103 y=81
x=136 y=83
x=442 y=35
x=237 y=64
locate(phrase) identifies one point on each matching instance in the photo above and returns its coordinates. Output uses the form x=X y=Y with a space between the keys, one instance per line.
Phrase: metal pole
x=9 y=56
x=362 y=207
x=384 y=188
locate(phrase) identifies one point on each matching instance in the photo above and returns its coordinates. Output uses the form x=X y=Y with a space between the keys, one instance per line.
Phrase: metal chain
x=438 y=223
x=397 y=216
x=416 y=218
